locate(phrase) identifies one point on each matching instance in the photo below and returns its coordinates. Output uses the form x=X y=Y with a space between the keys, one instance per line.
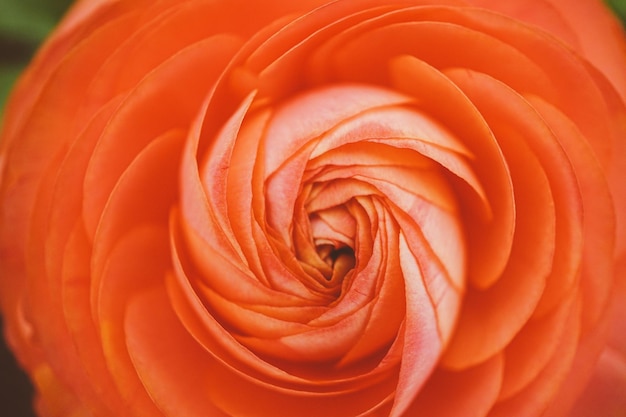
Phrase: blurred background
x=23 y=26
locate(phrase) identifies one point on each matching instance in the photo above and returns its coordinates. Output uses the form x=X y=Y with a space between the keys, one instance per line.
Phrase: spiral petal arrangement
x=346 y=208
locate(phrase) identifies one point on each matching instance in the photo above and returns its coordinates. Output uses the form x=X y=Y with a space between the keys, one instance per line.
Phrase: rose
x=341 y=209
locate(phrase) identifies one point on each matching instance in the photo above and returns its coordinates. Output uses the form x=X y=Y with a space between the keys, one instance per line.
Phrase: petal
x=473 y=390
x=148 y=112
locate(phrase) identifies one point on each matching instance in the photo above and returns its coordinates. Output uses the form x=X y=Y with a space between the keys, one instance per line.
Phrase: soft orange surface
x=315 y=208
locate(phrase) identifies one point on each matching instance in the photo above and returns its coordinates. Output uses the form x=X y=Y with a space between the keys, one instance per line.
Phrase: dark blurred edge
x=16 y=392
x=23 y=25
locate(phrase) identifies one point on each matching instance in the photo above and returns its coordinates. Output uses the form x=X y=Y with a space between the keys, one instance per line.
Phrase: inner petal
x=334 y=225
x=339 y=258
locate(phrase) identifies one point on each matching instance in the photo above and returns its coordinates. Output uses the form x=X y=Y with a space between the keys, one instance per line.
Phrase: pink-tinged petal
x=441 y=230
x=488 y=237
x=236 y=182
x=337 y=192
x=422 y=344
x=294 y=124
x=390 y=134
x=202 y=201
x=444 y=289
x=334 y=225
x=245 y=204
x=403 y=185
x=387 y=314
x=402 y=120
x=282 y=190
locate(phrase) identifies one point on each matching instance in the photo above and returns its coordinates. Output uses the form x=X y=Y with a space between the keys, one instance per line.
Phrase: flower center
x=339 y=258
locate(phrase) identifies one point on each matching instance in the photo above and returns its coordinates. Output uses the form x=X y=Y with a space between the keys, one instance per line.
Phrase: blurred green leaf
x=619 y=7
x=8 y=74
x=29 y=20
x=24 y=24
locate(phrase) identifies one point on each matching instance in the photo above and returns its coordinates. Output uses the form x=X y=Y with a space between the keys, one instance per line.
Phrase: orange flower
x=316 y=208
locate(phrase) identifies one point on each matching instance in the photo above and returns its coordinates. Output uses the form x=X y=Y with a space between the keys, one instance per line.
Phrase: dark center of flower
x=340 y=259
